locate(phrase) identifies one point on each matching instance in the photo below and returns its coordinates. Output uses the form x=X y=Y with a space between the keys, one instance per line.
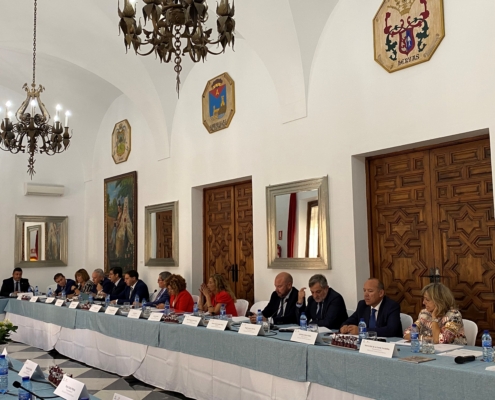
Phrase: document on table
x=446 y=347
x=461 y=352
x=403 y=342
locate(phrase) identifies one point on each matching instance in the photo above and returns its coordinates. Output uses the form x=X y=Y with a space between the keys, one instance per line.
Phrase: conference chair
x=195 y=298
x=406 y=321
x=241 y=306
x=471 y=331
x=259 y=305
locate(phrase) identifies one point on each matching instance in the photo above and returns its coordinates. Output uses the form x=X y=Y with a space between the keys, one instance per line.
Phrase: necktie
x=281 y=309
x=17 y=288
x=373 y=318
x=159 y=294
x=319 y=310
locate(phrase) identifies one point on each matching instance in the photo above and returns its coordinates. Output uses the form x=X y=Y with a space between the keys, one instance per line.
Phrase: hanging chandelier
x=32 y=132
x=176 y=23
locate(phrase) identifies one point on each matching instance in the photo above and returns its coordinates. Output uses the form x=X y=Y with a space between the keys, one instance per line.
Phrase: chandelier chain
x=34 y=42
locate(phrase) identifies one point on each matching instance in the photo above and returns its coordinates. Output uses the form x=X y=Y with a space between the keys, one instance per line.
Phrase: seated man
x=325 y=307
x=282 y=305
x=64 y=284
x=12 y=286
x=163 y=295
x=103 y=285
x=115 y=276
x=135 y=287
x=380 y=313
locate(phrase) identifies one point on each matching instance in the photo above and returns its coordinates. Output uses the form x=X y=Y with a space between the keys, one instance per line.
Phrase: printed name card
x=95 y=308
x=135 y=314
x=49 y=300
x=34 y=299
x=59 y=303
x=305 y=337
x=217 y=324
x=379 y=349
x=32 y=370
x=70 y=389
x=191 y=320
x=111 y=310
x=74 y=304
x=117 y=396
x=252 y=330
x=155 y=316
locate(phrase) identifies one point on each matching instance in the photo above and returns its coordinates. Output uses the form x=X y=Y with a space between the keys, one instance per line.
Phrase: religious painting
x=218 y=103
x=407 y=32
x=121 y=221
x=53 y=240
x=121 y=141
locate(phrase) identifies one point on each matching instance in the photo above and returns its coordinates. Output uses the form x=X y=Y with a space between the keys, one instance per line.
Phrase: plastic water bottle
x=486 y=342
x=23 y=395
x=36 y=291
x=107 y=301
x=414 y=339
x=143 y=306
x=30 y=290
x=64 y=294
x=50 y=293
x=90 y=298
x=259 y=318
x=363 y=332
x=303 y=322
x=195 y=309
x=167 y=308
x=136 y=301
x=4 y=374
x=223 y=313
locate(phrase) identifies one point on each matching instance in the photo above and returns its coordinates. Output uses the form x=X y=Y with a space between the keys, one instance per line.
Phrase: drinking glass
x=147 y=312
x=229 y=317
x=372 y=335
x=266 y=325
x=127 y=306
x=313 y=328
x=427 y=345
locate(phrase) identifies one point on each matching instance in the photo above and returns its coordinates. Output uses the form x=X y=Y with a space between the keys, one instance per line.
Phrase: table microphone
x=464 y=359
x=18 y=385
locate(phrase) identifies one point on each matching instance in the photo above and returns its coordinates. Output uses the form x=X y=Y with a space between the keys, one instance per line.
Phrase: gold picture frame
x=218 y=103
x=121 y=141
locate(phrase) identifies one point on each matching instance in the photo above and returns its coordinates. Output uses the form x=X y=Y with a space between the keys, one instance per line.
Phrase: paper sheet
x=461 y=352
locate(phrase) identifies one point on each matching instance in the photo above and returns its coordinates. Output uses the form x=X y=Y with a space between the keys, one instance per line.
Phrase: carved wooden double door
x=432 y=214
x=228 y=237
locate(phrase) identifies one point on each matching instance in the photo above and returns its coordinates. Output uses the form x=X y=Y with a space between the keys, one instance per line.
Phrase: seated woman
x=439 y=319
x=180 y=299
x=216 y=293
x=84 y=284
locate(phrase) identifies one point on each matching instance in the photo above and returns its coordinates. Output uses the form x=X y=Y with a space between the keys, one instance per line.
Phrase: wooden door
x=433 y=209
x=228 y=245
x=164 y=231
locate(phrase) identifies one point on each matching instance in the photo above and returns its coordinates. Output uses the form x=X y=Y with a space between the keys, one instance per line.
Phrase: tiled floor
x=99 y=383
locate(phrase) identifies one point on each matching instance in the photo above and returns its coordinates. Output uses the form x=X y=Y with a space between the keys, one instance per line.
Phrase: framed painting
x=218 y=103
x=120 y=216
x=121 y=141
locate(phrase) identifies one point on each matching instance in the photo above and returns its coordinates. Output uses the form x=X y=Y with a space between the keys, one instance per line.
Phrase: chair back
x=406 y=321
x=53 y=287
x=241 y=306
x=350 y=312
x=471 y=331
x=195 y=297
x=259 y=305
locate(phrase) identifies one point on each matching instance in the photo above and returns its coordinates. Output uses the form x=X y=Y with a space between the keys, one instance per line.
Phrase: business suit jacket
x=291 y=314
x=165 y=296
x=140 y=289
x=8 y=286
x=68 y=287
x=118 y=289
x=107 y=285
x=334 y=312
x=388 y=319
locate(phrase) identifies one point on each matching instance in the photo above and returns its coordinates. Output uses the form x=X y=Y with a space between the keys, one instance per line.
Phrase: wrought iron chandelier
x=175 y=21
x=32 y=132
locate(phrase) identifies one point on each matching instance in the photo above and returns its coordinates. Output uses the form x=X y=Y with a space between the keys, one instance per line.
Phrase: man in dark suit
x=16 y=284
x=135 y=288
x=380 y=313
x=325 y=306
x=115 y=276
x=102 y=285
x=282 y=305
x=63 y=284
x=163 y=295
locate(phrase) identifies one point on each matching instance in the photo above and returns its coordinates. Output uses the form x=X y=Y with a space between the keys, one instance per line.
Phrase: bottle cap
x=486 y=331
x=25 y=378
x=2 y=355
x=362 y=319
x=414 y=325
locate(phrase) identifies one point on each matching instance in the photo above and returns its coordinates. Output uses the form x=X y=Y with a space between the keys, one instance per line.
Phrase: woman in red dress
x=180 y=299
x=216 y=293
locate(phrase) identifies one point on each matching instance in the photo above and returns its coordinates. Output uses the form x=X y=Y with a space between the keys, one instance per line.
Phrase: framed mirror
x=41 y=241
x=298 y=225
x=161 y=242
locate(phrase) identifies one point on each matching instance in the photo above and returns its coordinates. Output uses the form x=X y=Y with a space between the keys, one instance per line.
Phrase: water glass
x=313 y=328
x=266 y=326
x=147 y=312
x=427 y=346
x=127 y=306
x=372 y=335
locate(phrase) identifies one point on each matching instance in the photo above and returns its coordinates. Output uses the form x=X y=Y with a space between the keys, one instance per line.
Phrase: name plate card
x=111 y=310
x=59 y=303
x=135 y=314
x=70 y=389
x=379 y=349
x=251 y=330
x=32 y=370
x=95 y=308
x=155 y=316
x=305 y=337
x=217 y=324
x=33 y=299
x=74 y=304
x=117 y=396
x=49 y=300
x=191 y=320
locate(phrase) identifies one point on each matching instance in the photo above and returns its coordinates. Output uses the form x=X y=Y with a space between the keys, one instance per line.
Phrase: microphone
x=464 y=359
x=18 y=385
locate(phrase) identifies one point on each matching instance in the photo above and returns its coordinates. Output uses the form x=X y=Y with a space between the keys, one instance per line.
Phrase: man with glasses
x=163 y=295
x=325 y=306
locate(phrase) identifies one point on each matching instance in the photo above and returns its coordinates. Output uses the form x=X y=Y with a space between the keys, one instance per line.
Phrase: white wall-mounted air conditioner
x=36 y=189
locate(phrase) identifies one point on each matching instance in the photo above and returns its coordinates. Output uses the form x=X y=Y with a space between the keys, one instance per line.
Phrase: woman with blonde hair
x=84 y=284
x=216 y=293
x=440 y=318
x=180 y=299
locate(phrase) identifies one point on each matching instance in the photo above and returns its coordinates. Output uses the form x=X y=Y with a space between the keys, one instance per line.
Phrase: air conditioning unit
x=36 y=189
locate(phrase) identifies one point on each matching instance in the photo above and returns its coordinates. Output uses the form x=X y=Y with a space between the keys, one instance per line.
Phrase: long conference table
x=207 y=364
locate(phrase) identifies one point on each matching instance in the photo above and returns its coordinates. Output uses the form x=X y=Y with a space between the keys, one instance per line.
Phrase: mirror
x=40 y=241
x=162 y=235
x=298 y=225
